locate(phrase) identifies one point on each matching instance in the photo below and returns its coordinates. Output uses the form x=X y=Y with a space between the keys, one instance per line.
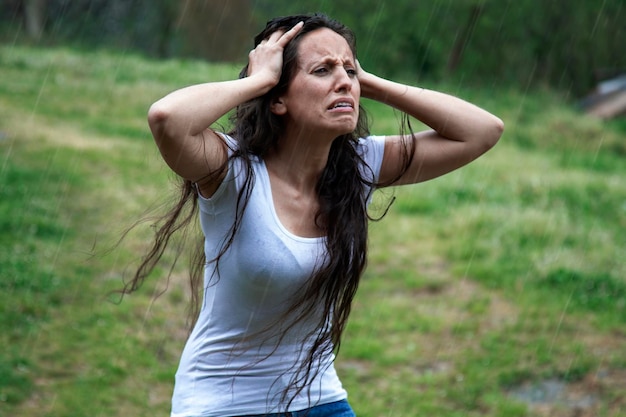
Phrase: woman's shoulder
x=235 y=153
x=371 y=140
x=371 y=146
x=230 y=141
x=371 y=149
x=238 y=170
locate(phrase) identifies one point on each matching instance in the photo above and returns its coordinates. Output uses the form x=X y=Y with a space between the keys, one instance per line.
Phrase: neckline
x=268 y=185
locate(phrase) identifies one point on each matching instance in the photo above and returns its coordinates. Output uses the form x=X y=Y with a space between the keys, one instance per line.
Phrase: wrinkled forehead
x=324 y=43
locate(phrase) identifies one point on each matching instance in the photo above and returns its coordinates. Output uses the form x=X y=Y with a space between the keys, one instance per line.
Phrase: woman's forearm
x=191 y=110
x=449 y=116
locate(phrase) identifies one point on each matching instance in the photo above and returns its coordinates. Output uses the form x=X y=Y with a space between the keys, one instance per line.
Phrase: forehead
x=323 y=43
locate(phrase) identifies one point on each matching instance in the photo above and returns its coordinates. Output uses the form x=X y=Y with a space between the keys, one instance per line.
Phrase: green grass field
x=484 y=289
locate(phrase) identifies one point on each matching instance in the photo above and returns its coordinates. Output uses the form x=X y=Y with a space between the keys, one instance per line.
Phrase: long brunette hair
x=342 y=191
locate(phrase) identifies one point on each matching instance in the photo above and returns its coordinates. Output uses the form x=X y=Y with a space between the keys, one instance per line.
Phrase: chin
x=347 y=128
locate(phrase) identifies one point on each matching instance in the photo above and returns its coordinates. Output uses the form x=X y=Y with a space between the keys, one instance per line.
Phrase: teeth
x=343 y=105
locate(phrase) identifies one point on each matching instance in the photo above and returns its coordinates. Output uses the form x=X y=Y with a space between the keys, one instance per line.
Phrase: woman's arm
x=180 y=122
x=461 y=131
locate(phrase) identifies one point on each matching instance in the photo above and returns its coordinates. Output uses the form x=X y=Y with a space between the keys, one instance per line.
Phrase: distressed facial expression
x=324 y=93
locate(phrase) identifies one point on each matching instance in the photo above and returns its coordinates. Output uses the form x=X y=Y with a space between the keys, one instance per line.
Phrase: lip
x=346 y=100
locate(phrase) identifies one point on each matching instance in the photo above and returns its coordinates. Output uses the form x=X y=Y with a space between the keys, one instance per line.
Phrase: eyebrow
x=327 y=59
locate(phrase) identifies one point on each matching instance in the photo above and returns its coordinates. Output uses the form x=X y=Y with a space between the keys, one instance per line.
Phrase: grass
x=507 y=272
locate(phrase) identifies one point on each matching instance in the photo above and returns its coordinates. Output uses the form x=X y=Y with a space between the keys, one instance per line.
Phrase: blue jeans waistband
x=336 y=409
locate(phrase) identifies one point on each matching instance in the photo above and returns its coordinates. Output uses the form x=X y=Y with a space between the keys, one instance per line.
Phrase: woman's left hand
x=364 y=79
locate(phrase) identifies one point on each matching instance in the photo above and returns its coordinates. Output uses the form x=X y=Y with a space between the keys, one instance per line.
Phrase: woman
x=283 y=207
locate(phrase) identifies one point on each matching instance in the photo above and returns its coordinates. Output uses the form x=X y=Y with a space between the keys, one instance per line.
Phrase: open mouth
x=341 y=104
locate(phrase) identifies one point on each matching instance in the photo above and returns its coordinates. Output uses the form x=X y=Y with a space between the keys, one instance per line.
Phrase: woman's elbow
x=493 y=132
x=158 y=114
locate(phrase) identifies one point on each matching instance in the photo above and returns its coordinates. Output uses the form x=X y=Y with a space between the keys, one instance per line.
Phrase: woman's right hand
x=180 y=122
x=266 y=60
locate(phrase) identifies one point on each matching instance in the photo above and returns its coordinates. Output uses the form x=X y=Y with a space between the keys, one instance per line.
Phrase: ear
x=278 y=106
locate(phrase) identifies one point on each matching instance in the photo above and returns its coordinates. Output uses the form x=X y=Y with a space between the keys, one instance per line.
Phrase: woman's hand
x=365 y=79
x=461 y=132
x=371 y=86
x=266 y=60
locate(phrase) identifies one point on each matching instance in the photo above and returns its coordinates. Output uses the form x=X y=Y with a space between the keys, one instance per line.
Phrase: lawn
x=497 y=290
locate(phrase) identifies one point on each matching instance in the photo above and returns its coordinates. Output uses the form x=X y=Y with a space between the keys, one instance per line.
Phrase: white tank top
x=220 y=372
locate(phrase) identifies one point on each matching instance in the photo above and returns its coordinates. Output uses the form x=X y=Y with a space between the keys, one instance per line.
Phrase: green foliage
x=589 y=291
x=29 y=227
x=30 y=224
x=565 y=44
x=15 y=378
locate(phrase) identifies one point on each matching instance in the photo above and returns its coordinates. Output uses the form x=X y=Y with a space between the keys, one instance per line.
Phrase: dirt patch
x=585 y=398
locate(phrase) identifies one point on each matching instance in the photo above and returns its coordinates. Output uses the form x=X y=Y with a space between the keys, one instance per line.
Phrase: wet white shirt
x=221 y=373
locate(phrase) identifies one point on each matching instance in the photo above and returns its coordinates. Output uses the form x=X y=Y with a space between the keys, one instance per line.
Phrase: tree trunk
x=217 y=30
x=34 y=11
x=463 y=38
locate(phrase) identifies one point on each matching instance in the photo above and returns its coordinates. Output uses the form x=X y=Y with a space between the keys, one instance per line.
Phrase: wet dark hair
x=343 y=190
x=255 y=124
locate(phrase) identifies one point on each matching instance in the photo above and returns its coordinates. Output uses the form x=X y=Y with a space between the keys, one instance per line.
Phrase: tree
x=463 y=38
x=562 y=43
x=218 y=30
x=34 y=14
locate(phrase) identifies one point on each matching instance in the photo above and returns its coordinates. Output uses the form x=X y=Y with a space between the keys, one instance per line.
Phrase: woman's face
x=323 y=95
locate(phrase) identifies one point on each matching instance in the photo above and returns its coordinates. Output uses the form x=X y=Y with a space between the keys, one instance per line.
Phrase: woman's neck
x=299 y=160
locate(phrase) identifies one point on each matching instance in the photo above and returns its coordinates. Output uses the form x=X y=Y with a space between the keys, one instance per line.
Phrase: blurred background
x=565 y=44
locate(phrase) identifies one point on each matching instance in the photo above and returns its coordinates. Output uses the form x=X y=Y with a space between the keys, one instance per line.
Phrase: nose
x=343 y=81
